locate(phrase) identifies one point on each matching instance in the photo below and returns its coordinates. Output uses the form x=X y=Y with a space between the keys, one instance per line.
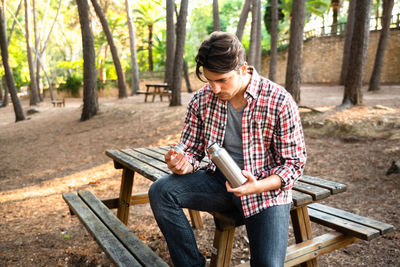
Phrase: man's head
x=220 y=53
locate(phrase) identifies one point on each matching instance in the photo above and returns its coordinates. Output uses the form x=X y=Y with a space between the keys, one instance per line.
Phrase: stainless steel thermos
x=226 y=164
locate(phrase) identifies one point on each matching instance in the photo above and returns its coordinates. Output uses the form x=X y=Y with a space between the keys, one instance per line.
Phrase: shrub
x=72 y=85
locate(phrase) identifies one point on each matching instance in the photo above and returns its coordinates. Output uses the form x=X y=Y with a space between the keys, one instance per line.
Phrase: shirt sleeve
x=193 y=134
x=289 y=145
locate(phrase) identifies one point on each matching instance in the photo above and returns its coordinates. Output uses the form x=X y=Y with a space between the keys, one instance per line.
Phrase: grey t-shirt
x=233 y=135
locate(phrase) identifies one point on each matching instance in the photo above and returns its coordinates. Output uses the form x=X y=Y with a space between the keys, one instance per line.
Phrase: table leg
x=125 y=195
x=302 y=230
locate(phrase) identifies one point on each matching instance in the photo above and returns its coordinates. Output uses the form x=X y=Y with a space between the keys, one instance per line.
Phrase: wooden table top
x=150 y=163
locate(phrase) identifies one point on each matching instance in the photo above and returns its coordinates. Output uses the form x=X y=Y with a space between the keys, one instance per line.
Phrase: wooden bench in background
x=58 y=102
x=121 y=245
x=155 y=89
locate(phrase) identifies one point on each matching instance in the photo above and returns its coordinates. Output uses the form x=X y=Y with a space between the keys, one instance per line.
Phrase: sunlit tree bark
x=90 y=101
x=179 y=51
x=375 y=81
x=118 y=67
x=293 y=69
x=358 y=53
x=132 y=47
x=19 y=113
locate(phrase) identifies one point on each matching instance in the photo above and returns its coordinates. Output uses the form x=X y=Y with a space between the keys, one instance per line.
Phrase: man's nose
x=216 y=88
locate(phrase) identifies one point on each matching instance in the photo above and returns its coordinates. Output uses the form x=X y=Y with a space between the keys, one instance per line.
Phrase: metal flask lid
x=180 y=148
x=212 y=148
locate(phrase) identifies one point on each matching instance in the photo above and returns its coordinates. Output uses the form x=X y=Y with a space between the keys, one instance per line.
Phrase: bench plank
x=334 y=187
x=316 y=192
x=142 y=252
x=301 y=199
x=100 y=232
x=381 y=226
x=144 y=169
x=343 y=225
x=149 y=161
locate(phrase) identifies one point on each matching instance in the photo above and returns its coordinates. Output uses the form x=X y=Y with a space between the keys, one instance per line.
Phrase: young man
x=258 y=123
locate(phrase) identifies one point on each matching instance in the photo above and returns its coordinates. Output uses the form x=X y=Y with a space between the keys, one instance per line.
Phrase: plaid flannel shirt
x=273 y=141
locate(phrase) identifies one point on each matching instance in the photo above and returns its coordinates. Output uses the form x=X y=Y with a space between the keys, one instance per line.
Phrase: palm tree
x=293 y=69
x=90 y=103
x=374 y=83
x=148 y=14
x=358 y=52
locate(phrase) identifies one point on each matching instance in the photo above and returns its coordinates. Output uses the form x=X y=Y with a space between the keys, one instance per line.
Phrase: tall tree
x=274 y=40
x=358 y=53
x=118 y=67
x=293 y=69
x=169 y=62
x=217 y=23
x=335 y=4
x=255 y=36
x=347 y=41
x=132 y=46
x=19 y=114
x=243 y=19
x=90 y=101
x=374 y=82
x=179 y=51
x=34 y=93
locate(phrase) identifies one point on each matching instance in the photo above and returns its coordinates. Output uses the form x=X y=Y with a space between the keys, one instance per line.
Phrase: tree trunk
x=274 y=40
x=36 y=62
x=150 y=47
x=347 y=41
x=374 y=83
x=293 y=69
x=104 y=23
x=243 y=19
x=217 y=23
x=132 y=46
x=169 y=62
x=335 y=12
x=14 y=22
x=4 y=99
x=90 y=102
x=257 y=64
x=186 y=75
x=254 y=34
x=34 y=94
x=358 y=54
x=179 y=51
x=19 y=113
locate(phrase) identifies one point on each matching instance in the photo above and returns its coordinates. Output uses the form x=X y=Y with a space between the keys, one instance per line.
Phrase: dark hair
x=221 y=52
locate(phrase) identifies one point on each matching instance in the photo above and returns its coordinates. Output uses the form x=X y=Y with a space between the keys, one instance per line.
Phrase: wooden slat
x=143 y=253
x=100 y=232
x=316 y=192
x=301 y=199
x=332 y=186
x=151 y=153
x=342 y=225
x=149 y=161
x=148 y=171
x=381 y=226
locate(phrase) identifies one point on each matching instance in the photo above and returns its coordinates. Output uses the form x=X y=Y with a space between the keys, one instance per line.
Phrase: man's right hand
x=178 y=162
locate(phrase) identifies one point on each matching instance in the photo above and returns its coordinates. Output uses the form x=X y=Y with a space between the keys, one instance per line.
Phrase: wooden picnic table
x=307 y=191
x=155 y=89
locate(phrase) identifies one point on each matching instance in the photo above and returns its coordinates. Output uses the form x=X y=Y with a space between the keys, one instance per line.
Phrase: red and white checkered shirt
x=273 y=141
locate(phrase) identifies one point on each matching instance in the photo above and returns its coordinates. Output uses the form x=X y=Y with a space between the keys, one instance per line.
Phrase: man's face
x=224 y=85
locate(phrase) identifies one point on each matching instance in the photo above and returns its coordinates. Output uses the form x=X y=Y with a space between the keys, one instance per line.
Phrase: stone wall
x=322 y=60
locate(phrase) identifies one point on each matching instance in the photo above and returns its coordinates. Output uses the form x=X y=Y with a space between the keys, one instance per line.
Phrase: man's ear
x=244 y=68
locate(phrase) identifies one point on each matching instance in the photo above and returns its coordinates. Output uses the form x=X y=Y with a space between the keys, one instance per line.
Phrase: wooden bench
x=121 y=245
x=160 y=89
x=349 y=228
x=58 y=102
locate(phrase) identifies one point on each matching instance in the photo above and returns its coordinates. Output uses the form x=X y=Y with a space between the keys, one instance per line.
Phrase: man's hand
x=178 y=162
x=254 y=186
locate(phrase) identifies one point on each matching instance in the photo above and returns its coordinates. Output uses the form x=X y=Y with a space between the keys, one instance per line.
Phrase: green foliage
x=72 y=84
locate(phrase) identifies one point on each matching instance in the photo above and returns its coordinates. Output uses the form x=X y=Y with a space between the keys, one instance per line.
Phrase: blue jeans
x=204 y=191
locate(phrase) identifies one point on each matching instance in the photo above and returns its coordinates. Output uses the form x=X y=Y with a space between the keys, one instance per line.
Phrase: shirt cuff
x=285 y=175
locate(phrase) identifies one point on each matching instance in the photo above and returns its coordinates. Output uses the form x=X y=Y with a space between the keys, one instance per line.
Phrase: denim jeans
x=204 y=191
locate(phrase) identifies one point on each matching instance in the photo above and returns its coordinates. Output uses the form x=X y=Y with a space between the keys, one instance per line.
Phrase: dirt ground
x=52 y=152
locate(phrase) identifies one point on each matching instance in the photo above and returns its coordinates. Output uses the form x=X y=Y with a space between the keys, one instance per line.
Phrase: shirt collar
x=253 y=87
